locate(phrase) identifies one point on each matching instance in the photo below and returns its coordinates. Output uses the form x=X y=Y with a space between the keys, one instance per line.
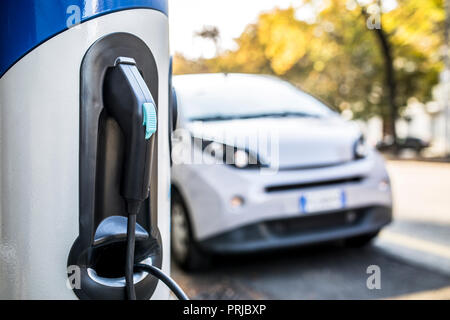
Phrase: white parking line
x=416 y=244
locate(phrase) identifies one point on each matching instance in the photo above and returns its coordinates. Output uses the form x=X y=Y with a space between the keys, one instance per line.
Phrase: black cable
x=129 y=271
x=130 y=266
x=179 y=293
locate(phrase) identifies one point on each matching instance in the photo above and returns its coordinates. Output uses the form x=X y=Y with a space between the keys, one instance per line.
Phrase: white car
x=259 y=164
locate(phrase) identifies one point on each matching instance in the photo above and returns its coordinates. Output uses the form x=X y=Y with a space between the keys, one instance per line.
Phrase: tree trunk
x=389 y=118
x=391 y=83
x=387 y=125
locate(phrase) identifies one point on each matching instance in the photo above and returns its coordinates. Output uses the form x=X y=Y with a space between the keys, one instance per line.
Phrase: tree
x=411 y=12
x=391 y=83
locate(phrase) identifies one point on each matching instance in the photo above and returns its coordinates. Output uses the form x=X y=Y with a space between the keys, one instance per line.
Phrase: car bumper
x=299 y=231
x=208 y=190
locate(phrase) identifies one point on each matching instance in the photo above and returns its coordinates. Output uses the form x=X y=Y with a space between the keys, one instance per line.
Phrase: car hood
x=294 y=142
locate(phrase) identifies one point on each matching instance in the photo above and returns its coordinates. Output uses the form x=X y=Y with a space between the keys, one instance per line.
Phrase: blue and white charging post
x=59 y=148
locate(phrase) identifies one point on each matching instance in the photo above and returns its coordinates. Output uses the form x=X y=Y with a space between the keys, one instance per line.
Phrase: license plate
x=325 y=200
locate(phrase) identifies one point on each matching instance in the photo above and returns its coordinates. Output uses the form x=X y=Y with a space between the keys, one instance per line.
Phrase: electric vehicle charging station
x=84 y=149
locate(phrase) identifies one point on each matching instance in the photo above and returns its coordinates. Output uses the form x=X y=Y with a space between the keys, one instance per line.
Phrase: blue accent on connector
x=150 y=119
x=25 y=24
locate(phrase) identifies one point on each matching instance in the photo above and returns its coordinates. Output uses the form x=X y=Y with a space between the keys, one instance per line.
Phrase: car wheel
x=360 y=241
x=185 y=250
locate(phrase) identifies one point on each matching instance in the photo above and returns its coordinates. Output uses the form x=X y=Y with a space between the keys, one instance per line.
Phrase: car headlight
x=239 y=158
x=360 y=148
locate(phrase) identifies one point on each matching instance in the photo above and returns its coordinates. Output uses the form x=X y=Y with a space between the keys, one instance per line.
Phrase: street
x=413 y=254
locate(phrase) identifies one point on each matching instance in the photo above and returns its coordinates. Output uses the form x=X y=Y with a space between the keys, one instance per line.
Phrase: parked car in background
x=408 y=143
x=325 y=184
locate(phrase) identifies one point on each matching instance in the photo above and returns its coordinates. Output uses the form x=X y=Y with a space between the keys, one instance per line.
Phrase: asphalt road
x=413 y=254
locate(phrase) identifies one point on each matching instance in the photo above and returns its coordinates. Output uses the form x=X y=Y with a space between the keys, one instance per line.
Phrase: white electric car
x=259 y=164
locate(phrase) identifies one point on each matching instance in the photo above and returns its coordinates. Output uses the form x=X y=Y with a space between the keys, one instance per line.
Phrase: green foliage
x=336 y=57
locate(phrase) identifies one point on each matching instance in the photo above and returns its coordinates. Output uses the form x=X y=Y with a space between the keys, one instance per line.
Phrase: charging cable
x=130 y=266
x=129 y=263
x=168 y=281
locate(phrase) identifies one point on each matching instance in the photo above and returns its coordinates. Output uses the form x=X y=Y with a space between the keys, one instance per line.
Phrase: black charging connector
x=129 y=101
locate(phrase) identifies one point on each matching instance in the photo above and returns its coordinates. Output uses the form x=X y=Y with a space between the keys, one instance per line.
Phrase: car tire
x=360 y=241
x=185 y=250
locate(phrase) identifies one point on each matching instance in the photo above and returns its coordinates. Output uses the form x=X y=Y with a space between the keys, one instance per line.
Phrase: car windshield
x=216 y=97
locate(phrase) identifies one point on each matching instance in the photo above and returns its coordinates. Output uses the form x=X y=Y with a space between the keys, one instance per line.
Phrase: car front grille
x=297 y=186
